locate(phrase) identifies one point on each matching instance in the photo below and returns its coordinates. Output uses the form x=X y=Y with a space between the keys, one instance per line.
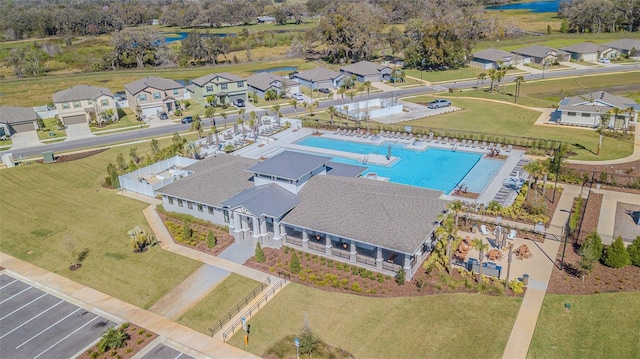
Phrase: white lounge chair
x=509 y=148
x=475 y=144
x=446 y=140
x=483 y=230
x=512 y=234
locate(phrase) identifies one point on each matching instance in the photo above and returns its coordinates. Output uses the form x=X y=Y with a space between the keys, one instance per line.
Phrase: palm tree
x=293 y=102
x=367 y=85
x=210 y=112
x=535 y=168
x=252 y=121
x=492 y=76
x=481 y=247
x=224 y=117
x=276 y=111
x=630 y=111
x=240 y=122
x=332 y=112
x=112 y=339
x=455 y=207
x=509 y=259
x=215 y=132
x=519 y=81
x=447 y=229
x=482 y=76
x=341 y=92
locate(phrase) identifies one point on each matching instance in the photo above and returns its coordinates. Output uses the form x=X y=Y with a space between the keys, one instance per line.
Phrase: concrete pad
x=238 y=252
x=25 y=139
x=78 y=131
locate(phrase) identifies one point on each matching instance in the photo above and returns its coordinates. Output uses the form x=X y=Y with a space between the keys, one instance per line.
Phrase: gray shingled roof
x=493 y=55
x=363 y=68
x=384 y=214
x=264 y=80
x=344 y=170
x=624 y=44
x=215 y=179
x=584 y=48
x=17 y=115
x=153 y=82
x=81 y=92
x=289 y=164
x=585 y=103
x=222 y=77
x=270 y=200
x=318 y=74
x=536 y=51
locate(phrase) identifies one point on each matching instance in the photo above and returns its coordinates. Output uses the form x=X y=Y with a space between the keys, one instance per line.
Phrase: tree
x=481 y=247
x=616 y=255
x=112 y=339
x=401 y=277
x=135 y=43
x=593 y=244
x=224 y=118
x=295 y=263
x=155 y=147
x=141 y=238
x=447 y=231
x=586 y=264
x=259 y=253
x=293 y=102
x=112 y=171
x=332 y=111
x=76 y=257
x=455 y=207
x=367 y=85
x=309 y=341
x=187 y=232
x=122 y=163
x=211 y=239
x=535 y=169
x=133 y=154
x=519 y=81
x=634 y=252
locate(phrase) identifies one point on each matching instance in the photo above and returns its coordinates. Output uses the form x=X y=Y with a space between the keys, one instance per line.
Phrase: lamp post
x=559 y=159
x=564 y=248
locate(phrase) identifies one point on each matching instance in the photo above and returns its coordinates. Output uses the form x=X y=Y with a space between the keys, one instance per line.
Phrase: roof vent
x=601 y=95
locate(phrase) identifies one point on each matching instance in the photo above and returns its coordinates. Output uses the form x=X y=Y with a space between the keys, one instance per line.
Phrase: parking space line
x=55 y=305
x=49 y=327
x=20 y=292
x=68 y=335
x=23 y=306
x=15 y=280
x=179 y=355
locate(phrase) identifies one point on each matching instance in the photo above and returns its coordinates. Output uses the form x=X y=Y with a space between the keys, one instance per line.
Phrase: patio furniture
x=483 y=230
x=484 y=145
x=512 y=234
x=446 y=140
x=523 y=252
x=494 y=255
x=475 y=144
x=509 y=148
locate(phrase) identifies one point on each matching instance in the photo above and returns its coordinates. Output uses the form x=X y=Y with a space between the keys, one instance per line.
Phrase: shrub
x=356 y=287
x=380 y=278
x=593 y=244
x=295 y=263
x=286 y=250
x=260 y=258
x=634 y=252
x=617 y=255
x=401 y=277
x=212 y=241
x=187 y=232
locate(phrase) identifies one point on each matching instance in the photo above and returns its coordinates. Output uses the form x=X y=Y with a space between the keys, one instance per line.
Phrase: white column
x=263 y=226
x=305 y=239
x=352 y=251
x=237 y=224
x=407 y=266
x=276 y=230
x=379 y=258
x=256 y=227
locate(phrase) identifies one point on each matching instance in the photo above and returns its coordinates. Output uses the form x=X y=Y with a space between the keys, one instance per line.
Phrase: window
x=209 y=88
x=170 y=200
x=199 y=207
x=104 y=102
x=223 y=86
x=240 y=84
x=190 y=205
x=571 y=113
x=180 y=203
x=176 y=92
x=210 y=209
x=65 y=105
x=226 y=216
x=585 y=114
x=76 y=104
x=142 y=97
x=157 y=95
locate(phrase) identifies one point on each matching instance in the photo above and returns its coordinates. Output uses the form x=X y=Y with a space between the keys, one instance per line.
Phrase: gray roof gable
x=318 y=74
x=153 y=82
x=493 y=55
x=364 y=68
x=344 y=169
x=270 y=200
x=537 y=51
x=264 y=80
x=584 y=48
x=81 y=92
x=384 y=214
x=216 y=78
x=624 y=44
x=16 y=115
x=587 y=102
x=289 y=164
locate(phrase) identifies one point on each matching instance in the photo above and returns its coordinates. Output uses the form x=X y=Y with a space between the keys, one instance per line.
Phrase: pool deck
x=269 y=146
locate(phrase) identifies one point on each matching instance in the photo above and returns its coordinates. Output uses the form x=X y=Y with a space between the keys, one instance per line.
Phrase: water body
x=534 y=6
x=183 y=35
x=278 y=69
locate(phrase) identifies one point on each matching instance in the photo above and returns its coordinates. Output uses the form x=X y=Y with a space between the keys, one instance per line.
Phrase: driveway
x=25 y=139
x=75 y=132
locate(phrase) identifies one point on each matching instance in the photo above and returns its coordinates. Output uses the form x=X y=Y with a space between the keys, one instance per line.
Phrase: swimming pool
x=434 y=168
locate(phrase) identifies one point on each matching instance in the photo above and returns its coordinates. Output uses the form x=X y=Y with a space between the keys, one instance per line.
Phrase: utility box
x=48 y=157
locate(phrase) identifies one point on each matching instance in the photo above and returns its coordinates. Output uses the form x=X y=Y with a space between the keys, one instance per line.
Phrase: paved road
x=152 y=132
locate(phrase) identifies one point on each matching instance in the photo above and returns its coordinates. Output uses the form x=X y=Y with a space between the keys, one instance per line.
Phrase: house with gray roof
x=367 y=71
x=152 y=95
x=308 y=202
x=84 y=104
x=590 y=109
x=630 y=47
x=266 y=81
x=219 y=88
x=15 y=119
x=588 y=51
x=494 y=59
x=318 y=77
x=539 y=54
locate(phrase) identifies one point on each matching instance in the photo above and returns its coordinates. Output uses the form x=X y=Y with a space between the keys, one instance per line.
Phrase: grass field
x=223 y=298
x=439 y=326
x=555 y=40
x=597 y=326
x=46 y=206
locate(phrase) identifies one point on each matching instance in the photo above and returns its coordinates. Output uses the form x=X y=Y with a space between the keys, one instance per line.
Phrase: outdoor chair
x=446 y=140
x=484 y=145
x=483 y=230
x=491 y=145
x=438 y=139
x=454 y=141
x=337 y=131
x=475 y=144
x=367 y=134
x=509 y=148
x=468 y=143
x=359 y=134
x=512 y=234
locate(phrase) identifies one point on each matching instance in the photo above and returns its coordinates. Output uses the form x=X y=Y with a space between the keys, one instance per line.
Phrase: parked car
x=604 y=60
x=324 y=90
x=297 y=96
x=238 y=102
x=163 y=116
x=439 y=103
x=187 y=119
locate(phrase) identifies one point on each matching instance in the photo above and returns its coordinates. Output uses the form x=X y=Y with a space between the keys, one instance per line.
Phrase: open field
x=597 y=326
x=212 y=307
x=438 y=326
x=45 y=207
x=555 y=40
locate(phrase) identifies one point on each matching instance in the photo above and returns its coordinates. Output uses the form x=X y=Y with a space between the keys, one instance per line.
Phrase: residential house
x=367 y=71
x=588 y=51
x=17 y=119
x=222 y=88
x=318 y=77
x=265 y=81
x=266 y=19
x=630 y=47
x=494 y=59
x=310 y=203
x=542 y=55
x=83 y=104
x=588 y=110
x=154 y=94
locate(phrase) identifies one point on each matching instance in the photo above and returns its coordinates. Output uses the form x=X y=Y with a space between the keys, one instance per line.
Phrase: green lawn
x=45 y=206
x=555 y=40
x=218 y=303
x=438 y=326
x=50 y=126
x=127 y=119
x=597 y=326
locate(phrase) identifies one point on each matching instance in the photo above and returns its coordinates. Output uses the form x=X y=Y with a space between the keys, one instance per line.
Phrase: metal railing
x=227 y=317
x=254 y=308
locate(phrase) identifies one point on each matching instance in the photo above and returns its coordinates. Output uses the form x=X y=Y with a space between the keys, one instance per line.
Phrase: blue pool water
x=434 y=168
x=534 y=6
x=278 y=69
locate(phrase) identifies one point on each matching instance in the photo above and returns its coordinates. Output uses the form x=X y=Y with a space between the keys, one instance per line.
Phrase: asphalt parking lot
x=35 y=324
x=162 y=351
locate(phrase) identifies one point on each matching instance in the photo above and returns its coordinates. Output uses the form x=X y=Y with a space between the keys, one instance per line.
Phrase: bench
x=392 y=257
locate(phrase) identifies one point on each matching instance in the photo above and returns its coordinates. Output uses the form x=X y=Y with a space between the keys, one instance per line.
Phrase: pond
x=170 y=37
x=277 y=69
x=534 y=6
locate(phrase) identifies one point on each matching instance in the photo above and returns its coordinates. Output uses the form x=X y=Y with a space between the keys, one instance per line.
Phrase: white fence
x=45 y=112
x=138 y=180
x=373 y=108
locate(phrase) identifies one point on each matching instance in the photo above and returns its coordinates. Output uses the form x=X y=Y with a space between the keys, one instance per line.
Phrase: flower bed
x=138 y=339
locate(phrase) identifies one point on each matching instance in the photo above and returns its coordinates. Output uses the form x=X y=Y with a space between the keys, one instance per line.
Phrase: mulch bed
x=223 y=238
x=138 y=339
x=75 y=156
x=617 y=171
x=591 y=216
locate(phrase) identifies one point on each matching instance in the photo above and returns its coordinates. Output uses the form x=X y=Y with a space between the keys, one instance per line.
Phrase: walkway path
x=525 y=324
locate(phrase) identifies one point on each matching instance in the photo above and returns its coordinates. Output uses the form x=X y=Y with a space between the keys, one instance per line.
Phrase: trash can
x=474 y=228
x=525 y=279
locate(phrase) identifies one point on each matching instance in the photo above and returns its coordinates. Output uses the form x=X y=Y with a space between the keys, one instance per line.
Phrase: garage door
x=74 y=120
x=23 y=127
x=151 y=111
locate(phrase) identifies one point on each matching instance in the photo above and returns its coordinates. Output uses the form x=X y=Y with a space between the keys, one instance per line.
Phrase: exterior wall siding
x=217 y=217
